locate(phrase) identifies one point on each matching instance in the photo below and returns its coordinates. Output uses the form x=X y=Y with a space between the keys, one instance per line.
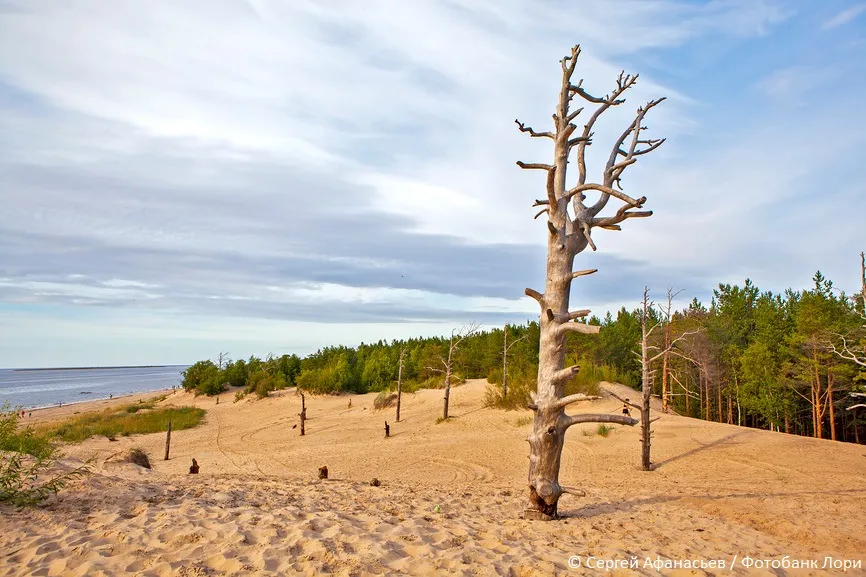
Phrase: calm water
x=43 y=388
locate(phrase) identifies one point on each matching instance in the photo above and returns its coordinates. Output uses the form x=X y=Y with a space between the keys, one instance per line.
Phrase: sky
x=263 y=176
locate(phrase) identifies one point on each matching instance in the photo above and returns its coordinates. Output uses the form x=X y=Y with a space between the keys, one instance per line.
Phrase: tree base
x=536 y=515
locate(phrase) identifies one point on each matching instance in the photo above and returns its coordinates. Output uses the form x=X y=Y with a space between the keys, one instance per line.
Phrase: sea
x=36 y=388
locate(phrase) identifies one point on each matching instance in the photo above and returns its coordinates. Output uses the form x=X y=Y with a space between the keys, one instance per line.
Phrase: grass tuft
x=603 y=430
x=139 y=457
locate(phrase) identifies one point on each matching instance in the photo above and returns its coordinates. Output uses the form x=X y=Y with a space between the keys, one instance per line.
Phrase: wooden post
x=303 y=414
x=387 y=430
x=167 y=441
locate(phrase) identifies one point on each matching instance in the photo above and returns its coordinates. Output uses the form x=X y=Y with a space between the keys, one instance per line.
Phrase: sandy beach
x=450 y=499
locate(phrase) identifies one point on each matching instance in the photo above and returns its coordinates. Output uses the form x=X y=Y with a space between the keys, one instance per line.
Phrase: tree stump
x=323 y=472
x=193 y=470
x=387 y=430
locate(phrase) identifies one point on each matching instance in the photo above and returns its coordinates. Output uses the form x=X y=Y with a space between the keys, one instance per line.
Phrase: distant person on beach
x=111 y=396
x=625 y=409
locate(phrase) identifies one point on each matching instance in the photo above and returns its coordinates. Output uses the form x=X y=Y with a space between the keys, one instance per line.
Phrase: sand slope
x=450 y=498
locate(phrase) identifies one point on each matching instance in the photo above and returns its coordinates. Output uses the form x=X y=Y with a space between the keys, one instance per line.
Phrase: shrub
x=603 y=430
x=262 y=383
x=522 y=421
x=520 y=383
x=203 y=377
x=441 y=420
x=384 y=400
x=494 y=377
x=139 y=457
x=26 y=441
x=24 y=457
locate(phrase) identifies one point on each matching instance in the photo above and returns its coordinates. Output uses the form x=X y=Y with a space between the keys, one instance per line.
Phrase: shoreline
x=55 y=413
x=95 y=368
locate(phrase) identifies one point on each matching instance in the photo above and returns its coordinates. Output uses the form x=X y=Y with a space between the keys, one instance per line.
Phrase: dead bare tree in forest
x=666 y=370
x=456 y=339
x=850 y=351
x=567 y=237
x=505 y=348
x=400 y=381
x=647 y=372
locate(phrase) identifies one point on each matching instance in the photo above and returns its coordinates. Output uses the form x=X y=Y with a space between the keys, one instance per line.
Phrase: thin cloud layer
x=211 y=164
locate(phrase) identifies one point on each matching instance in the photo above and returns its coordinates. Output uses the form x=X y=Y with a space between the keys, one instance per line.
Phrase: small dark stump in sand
x=387 y=430
x=375 y=483
x=193 y=470
x=323 y=472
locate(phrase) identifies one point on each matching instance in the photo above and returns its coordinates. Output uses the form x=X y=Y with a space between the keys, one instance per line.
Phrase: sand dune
x=450 y=499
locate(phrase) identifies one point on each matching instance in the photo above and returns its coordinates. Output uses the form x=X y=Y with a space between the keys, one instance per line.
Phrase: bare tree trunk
x=505 y=348
x=447 y=388
x=832 y=408
x=665 y=368
x=505 y=362
x=719 y=398
x=646 y=433
x=730 y=409
x=464 y=333
x=566 y=237
x=856 y=432
x=167 y=441
x=688 y=396
x=400 y=382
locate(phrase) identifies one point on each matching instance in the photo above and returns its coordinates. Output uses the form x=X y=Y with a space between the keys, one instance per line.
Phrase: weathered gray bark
x=646 y=387
x=566 y=237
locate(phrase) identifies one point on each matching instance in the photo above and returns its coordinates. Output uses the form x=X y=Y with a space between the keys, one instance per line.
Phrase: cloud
x=844 y=17
x=286 y=162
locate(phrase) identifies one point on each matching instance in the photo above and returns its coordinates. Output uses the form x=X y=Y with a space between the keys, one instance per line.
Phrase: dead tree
x=566 y=237
x=505 y=348
x=646 y=362
x=854 y=408
x=400 y=381
x=847 y=350
x=456 y=339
